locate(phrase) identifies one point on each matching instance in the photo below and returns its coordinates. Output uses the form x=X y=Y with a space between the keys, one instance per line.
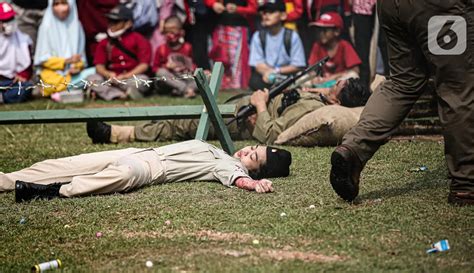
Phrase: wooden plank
x=214 y=113
x=109 y=114
x=214 y=85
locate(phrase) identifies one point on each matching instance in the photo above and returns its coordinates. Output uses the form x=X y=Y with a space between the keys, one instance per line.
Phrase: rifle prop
x=280 y=87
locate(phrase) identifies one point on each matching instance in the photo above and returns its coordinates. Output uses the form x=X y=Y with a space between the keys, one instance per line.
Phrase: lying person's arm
x=260 y=186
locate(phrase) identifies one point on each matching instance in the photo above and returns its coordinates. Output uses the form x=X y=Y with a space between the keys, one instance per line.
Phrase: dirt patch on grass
x=202 y=235
x=283 y=255
x=224 y=236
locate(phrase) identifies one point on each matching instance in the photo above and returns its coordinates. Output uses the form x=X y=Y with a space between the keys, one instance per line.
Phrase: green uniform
x=269 y=124
x=407 y=25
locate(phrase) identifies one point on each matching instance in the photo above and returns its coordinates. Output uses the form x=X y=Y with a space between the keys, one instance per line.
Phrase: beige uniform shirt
x=198 y=160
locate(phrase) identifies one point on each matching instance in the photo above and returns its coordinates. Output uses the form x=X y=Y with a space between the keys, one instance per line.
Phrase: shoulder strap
x=263 y=40
x=287 y=40
x=122 y=48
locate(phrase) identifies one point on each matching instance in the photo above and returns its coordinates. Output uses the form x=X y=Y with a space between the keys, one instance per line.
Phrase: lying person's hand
x=260 y=186
x=259 y=99
x=263 y=186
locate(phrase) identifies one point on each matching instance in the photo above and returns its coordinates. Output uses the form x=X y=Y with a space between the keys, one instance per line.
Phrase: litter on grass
x=419 y=169
x=47 y=266
x=440 y=246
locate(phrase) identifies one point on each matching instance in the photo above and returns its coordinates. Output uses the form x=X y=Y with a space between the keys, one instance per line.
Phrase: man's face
x=116 y=25
x=8 y=27
x=272 y=18
x=173 y=32
x=252 y=157
x=333 y=96
x=327 y=35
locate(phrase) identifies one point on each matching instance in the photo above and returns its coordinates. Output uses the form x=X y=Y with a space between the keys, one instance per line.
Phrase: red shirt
x=118 y=61
x=92 y=15
x=344 y=59
x=163 y=51
x=313 y=7
x=297 y=11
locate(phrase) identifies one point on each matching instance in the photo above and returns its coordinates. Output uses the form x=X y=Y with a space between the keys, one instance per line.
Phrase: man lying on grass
x=128 y=169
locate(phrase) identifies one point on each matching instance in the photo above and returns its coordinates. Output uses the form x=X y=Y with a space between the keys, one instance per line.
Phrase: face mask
x=173 y=38
x=116 y=34
x=9 y=28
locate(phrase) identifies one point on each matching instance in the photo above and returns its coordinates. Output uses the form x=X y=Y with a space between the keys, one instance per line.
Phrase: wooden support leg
x=214 y=85
x=213 y=111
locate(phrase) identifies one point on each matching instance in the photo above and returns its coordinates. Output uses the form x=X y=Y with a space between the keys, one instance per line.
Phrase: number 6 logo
x=447 y=35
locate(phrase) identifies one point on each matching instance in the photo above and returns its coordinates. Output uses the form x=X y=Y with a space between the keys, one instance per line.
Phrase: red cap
x=6 y=12
x=330 y=19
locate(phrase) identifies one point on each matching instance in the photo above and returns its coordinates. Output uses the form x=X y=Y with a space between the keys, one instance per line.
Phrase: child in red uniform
x=173 y=59
x=344 y=61
x=121 y=56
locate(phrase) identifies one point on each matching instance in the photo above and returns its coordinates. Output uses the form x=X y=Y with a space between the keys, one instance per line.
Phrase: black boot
x=345 y=173
x=25 y=191
x=98 y=131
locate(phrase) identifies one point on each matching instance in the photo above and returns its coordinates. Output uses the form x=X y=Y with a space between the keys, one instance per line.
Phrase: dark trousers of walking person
x=406 y=25
x=363 y=31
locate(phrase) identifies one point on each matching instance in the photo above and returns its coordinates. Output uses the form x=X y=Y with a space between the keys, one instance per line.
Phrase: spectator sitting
x=15 y=60
x=61 y=60
x=280 y=52
x=344 y=61
x=121 y=56
x=174 y=58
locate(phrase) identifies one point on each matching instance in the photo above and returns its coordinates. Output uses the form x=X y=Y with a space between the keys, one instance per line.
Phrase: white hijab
x=58 y=38
x=14 y=53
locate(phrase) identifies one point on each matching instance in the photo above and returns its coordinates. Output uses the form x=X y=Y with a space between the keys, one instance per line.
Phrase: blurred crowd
x=128 y=49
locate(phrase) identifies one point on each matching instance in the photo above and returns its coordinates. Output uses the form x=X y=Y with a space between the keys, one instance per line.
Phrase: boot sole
x=461 y=202
x=340 y=177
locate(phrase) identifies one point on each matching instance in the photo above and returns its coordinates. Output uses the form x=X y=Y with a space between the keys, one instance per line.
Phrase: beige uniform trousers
x=94 y=173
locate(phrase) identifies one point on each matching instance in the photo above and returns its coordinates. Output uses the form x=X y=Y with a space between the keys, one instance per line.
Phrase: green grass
x=397 y=216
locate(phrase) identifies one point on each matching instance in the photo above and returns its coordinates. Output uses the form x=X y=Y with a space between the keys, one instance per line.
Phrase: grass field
x=396 y=218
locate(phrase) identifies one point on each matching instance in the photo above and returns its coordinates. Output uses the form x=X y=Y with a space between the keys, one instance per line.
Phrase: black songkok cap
x=278 y=163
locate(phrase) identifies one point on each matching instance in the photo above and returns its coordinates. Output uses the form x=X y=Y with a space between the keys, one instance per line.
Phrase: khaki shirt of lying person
x=270 y=124
x=200 y=161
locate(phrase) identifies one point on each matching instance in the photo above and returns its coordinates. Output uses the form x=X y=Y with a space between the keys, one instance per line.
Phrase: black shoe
x=99 y=131
x=345 y=173
x=25 y=191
